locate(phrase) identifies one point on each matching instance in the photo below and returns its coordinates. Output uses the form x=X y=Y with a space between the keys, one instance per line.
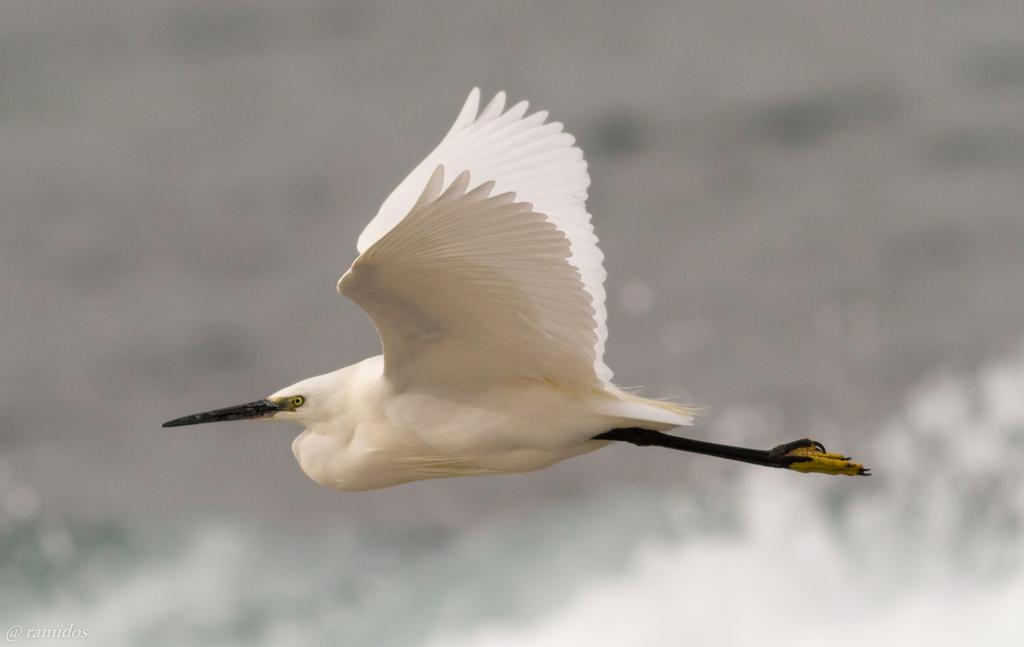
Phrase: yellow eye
x=296 y=401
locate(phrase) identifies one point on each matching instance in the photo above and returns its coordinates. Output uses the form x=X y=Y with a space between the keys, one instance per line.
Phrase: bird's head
x=302 y=403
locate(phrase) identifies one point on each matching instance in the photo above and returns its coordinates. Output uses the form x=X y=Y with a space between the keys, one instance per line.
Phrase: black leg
x=800 y=455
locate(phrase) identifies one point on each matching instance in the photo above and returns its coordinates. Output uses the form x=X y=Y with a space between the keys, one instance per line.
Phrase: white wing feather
x=470 y=285
x=536 y=161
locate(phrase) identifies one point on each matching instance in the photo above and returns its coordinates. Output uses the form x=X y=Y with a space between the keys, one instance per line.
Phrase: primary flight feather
x=482 y=275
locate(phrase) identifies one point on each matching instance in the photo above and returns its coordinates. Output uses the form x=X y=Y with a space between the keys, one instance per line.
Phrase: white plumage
x=482 y=274
x=522 y=155
x=483 y=277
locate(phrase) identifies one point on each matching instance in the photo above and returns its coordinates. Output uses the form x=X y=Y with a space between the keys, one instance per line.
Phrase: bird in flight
x=482 y=275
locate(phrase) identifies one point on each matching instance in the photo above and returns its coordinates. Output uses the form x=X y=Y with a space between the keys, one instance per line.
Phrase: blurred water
x=927 y=551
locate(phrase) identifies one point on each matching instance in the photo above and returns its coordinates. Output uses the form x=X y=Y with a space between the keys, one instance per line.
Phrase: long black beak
x=257 y=409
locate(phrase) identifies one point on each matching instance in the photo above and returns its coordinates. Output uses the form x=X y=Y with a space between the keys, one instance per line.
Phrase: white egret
x=482 y=275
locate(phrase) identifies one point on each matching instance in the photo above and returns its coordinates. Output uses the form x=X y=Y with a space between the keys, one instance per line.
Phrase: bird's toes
x=810 y=456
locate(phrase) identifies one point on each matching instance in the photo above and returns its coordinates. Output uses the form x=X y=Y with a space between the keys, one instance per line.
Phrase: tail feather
x=659 y=414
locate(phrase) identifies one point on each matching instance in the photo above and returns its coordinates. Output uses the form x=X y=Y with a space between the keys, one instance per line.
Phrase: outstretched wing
x=472 y=285
x=538 y=162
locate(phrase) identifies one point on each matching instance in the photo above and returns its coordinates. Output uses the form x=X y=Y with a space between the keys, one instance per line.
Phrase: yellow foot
x=810 y=456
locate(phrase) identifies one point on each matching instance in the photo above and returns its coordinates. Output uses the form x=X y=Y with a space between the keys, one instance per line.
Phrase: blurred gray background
x=806 y=208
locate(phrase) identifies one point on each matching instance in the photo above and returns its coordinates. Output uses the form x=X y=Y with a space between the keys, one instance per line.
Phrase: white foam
x=929 y=553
